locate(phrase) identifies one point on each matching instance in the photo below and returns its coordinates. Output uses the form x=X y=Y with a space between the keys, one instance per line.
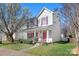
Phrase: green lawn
x=56 y=49
x=17 y=46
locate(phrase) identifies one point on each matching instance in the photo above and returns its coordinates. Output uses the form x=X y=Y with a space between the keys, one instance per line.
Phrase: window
x=44 y=20
x=41 y=21
x=30 y=34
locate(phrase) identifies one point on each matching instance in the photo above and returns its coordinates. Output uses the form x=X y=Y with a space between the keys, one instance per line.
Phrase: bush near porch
x=56 y=49
x=25 y=41
x=28 y=41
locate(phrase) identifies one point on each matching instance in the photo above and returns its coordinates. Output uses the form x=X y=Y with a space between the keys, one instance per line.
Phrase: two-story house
x=47 y=29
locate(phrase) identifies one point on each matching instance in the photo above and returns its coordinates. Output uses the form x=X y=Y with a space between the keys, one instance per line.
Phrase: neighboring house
x=45 y=27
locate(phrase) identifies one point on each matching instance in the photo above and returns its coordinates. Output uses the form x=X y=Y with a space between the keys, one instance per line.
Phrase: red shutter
x=32 y=34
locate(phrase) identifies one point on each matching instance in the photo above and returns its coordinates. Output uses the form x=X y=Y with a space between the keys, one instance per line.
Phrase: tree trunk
x=77 y=40
x=10 y=37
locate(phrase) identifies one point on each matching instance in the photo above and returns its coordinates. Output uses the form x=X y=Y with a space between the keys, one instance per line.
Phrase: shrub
x=0 y=42
x=28 y=41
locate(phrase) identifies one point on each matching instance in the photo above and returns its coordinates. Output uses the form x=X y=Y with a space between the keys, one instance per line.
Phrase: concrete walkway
x=9 y=52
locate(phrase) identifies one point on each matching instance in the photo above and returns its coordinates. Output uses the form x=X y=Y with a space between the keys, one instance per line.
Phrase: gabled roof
x=44 y=8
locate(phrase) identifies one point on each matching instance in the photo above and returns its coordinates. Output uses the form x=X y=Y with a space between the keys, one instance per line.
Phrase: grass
x=17 y=46
x=56 y=49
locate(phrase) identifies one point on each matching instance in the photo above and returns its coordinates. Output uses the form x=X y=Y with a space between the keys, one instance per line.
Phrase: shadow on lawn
x=62 y=42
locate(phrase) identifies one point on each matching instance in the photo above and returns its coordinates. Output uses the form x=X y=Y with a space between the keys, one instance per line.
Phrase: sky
x=35 y=8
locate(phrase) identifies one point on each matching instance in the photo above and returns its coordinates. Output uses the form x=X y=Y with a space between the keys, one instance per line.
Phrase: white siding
x=56 y=32
x=44 y=14
x=21 y=35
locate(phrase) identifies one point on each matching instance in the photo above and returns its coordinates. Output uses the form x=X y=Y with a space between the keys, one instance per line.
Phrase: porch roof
x=39 y=28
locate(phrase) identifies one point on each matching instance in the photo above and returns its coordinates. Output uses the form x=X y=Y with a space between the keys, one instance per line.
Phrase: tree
x=12 y=18
x=71 y=14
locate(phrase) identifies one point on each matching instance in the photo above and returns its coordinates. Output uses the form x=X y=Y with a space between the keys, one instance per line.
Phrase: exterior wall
x=49 y=36
x=20 y=35
x=44 y=14
x=56 y=32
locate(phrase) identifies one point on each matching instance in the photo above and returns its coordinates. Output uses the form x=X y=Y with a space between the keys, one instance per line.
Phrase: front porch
x=41 y=34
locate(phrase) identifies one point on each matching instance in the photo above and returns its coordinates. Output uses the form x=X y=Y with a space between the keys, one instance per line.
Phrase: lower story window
x=30 y=34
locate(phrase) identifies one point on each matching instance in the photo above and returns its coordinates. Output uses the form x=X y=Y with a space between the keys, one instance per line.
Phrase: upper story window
x=44 y=20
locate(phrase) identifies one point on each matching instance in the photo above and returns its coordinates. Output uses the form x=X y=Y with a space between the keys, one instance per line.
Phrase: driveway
x=9 y=52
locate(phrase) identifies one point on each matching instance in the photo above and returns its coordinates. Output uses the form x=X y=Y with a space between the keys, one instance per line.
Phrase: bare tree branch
x=12 y=18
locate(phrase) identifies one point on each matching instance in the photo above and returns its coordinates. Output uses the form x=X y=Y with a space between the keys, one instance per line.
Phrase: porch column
x=38 y=36
x=34 y=34
x=34 y=38
x=47 y=39
x=41 y=36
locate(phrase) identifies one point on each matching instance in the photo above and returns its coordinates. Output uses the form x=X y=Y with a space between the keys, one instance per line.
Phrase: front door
x=44 y=35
